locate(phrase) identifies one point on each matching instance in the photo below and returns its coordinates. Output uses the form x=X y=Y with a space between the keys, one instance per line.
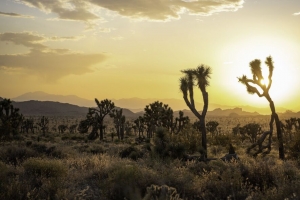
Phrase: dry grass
x=79 y=169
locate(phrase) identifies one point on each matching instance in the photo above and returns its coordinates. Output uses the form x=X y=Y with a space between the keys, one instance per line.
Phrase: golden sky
x=136 y=48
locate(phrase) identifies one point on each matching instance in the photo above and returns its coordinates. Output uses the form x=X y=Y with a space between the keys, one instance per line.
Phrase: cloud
x=26 y=39
x=32 y=40
x=138 y=9
x=48 y=64
x=69 y=10
x=298 y=13
x=165 y=9
x=15 y=15
x=51 y=66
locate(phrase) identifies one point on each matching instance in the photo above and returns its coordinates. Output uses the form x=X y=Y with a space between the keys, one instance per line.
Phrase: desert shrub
x=3 y=177
x=222 y=140
x=123 y=181
x=97 y=149
x=167 y=147
x=223 y=181
x=258 y=175
x=215 y=150
x=50 y=151
x=131 y=152
x=190 y=138
x=78 y=137
x=15 y=154
x=294 y=147
x=176 y=150
x=161 y=141
x=161 y=192
x=44 y=178
x=45 y=168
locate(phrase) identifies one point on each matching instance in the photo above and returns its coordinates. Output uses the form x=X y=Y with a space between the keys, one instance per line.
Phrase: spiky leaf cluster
x=253 y=84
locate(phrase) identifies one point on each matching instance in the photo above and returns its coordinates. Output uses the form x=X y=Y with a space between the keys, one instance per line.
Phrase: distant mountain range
x=50 y=108
x=137 y=104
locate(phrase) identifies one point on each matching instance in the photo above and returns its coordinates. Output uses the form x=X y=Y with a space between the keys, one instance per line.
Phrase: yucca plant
x=198 y=77
x=253 y=85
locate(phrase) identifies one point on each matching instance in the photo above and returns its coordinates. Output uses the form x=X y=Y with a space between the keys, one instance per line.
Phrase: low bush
x=49 y=168
x=16 y=154
x=131 y=152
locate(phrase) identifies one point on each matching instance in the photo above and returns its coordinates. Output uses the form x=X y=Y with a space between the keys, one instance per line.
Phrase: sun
x=264 y=82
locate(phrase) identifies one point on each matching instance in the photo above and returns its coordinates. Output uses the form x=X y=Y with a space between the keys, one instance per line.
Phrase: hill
x=49 y=108
x=134 y=104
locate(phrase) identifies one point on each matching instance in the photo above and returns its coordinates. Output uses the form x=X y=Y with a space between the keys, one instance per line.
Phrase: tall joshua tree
x=96 y=116
x=252 y=86
x=198 y=77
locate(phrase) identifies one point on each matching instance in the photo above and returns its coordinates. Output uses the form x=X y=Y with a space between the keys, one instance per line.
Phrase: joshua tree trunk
x=101 y=131
x=202 y=121
x=278 y=128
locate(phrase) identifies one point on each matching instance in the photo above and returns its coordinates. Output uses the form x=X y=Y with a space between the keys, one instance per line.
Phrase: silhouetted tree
x=10 y=120
x=140 y=125
x=73 y=128
x=180 y=122
x=251 y=131
x=27 y=124
x=95 y=118
x=156 y=115
x=200 y=75
x=43 y=123
x=251 y=85
x=211 y=127
x=62 y=128
x=119 y=121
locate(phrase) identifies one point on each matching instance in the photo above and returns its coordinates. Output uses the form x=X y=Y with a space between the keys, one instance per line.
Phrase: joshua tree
x=180 y=122
x=73 y=128
x=95 y=118
x=156 y=115
x=212 y=127
x=27 y=125
x=140 y=125
x=251 y=131
x=200 y=75
x=62 y=128
x=252 y=86
x=10 y=119
x=119 y=121
x=43 y=123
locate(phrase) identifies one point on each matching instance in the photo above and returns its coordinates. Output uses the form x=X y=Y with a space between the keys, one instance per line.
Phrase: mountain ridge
x=50 y=108
x=134 y=104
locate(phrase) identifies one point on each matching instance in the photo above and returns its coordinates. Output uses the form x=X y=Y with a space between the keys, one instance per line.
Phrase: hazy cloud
x=298 y=13
x=15 y=15
x=26 y=39
x=49 y=64
x=70 y=10
x=32 y=40
x=138 y=9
